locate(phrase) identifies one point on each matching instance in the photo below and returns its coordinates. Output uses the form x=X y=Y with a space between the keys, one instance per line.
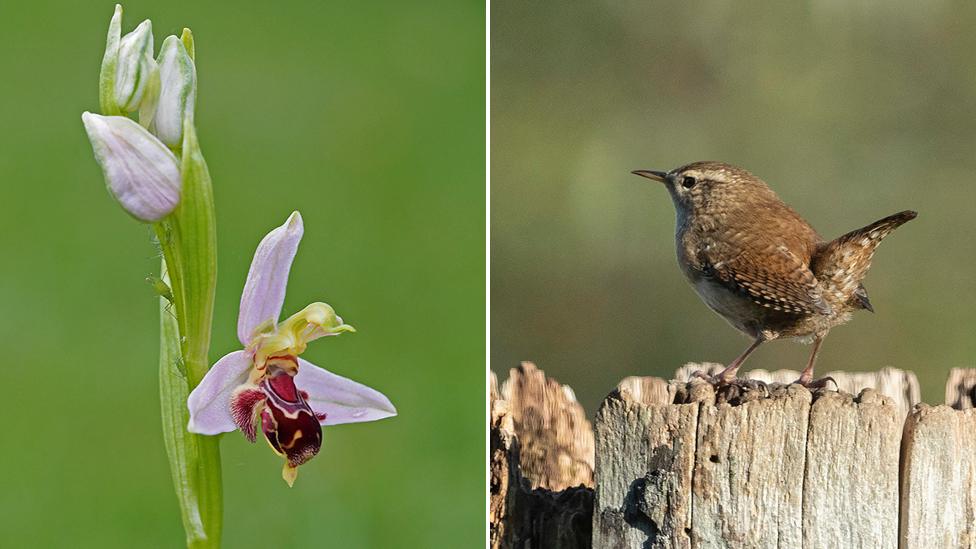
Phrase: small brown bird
x=758 y=264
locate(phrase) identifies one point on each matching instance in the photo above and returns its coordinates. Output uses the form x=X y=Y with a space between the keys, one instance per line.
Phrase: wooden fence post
x=645 y=456
x=555 y=437
x=748 y=478
x=680 y=464
x=960 y=392
x=901 y=386
x=502 y=452
x=850 y=489
x=541 y=464
x=938 y=487
x=695 y=469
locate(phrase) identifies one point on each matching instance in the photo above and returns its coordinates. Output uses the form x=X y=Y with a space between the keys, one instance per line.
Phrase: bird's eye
x=688 y=182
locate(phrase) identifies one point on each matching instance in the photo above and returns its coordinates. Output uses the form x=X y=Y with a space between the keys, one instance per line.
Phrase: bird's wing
x=772 y=276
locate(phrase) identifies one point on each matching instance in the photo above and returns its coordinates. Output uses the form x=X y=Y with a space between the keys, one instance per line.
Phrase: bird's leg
x=806 y=377
x=727 y=375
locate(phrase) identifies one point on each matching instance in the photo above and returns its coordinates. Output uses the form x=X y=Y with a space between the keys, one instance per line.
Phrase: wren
x=753 y=260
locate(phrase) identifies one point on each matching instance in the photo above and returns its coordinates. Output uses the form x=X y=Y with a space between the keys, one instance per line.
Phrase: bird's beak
x=651 y=174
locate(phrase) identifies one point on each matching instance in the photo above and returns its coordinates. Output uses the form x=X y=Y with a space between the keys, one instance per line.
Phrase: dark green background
x=369 y=118
x=850 y=110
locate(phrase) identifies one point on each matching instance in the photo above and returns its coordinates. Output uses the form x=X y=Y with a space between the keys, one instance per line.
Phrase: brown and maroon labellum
x=289 y=423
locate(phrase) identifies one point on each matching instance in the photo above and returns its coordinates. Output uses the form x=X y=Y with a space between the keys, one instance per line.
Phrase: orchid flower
x=266 y=383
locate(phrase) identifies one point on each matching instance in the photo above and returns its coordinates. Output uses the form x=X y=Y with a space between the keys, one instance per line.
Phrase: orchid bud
x=136 y=73
x=140 y=171
x=178 y=89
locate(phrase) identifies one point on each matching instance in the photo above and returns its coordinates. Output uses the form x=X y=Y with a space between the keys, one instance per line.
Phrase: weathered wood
x=543 y=519
x=555 y=438
x=680 y=464
x=501 y=440
x=960 y=391
x=645 y=457
x=783 y=469
x=521 y=516
x=687 y=372
x=938 y=486
x=748 y=477
x=647 y=390
x=850 y=489
x=900 y=385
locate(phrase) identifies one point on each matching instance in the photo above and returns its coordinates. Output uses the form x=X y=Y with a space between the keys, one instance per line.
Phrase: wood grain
x=938 y=487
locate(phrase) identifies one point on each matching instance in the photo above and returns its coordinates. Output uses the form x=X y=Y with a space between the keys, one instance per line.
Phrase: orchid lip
x=290 y=425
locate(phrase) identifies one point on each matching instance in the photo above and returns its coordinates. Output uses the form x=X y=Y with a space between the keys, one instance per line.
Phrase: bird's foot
x=725 y=381
x=807 y=381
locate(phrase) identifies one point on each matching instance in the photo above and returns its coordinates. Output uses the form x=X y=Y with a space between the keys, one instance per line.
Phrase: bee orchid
x=266 y=385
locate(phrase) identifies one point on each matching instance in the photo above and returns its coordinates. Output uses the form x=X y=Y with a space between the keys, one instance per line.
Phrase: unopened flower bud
x=178 y=88
x=136 y=77
x=140 y=171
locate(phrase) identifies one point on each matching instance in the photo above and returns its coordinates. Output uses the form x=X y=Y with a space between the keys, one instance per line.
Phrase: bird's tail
x=841 y=264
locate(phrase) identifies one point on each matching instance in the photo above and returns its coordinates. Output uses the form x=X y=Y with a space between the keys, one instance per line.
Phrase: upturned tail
x=841 y=264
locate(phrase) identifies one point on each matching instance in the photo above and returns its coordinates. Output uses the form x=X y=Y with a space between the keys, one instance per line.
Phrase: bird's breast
x=738 y=310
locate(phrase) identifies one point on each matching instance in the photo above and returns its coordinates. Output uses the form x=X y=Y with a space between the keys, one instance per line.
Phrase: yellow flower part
x=291 y=337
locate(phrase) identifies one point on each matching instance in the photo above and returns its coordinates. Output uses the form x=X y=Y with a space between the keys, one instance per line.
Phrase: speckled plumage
x=757 y=263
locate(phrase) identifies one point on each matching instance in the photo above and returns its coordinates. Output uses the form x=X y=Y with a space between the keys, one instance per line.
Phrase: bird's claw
x=810 y=383
x=720 y=382
x=702 y=375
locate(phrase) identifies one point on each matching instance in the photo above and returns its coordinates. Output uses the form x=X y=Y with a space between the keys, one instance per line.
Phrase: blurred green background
x=369 y=118
x=850 y=110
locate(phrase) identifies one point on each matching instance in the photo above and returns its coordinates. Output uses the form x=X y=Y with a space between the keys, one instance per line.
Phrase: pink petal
x=341 y=399
x=209 y=403
x=141 y=173
x=264 y=291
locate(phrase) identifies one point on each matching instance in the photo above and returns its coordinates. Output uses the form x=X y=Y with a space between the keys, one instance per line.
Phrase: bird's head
x=697 y=185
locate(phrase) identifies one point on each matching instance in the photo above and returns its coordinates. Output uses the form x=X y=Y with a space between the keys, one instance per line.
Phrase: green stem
x=188 y=240
x=194 y=459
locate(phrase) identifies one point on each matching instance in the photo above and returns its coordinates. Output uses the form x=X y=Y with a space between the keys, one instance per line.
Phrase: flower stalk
x=187 y=238
x=157 y=173
x=159 y=176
